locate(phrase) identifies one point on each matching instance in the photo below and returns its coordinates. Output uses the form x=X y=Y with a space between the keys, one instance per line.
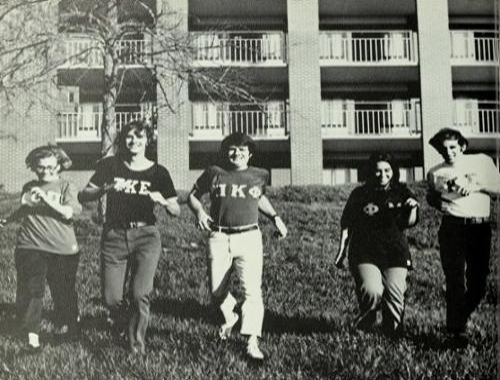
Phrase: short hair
x=138 y=126
x=44 y=151
x=237 y=139
x=385 y=157
x=447 y=134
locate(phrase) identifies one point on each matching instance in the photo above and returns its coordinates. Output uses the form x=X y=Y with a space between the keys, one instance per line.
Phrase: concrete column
x=174 y=112
x=306 y=147
x=435 y=73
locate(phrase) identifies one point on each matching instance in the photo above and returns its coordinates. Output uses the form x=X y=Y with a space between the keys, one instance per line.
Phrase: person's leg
x=61 y=276
x=145 y=245
x=477 y=259
x=114 y=265
x=369 y=290
x=393 y=299
x=248 y=261
x=452 y=246
x=247 y=250
x=31 y=272
x=220 y=263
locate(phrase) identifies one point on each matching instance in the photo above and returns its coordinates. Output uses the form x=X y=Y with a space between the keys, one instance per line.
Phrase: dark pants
x=33 y=267
x=130 y=252
x=465 y=256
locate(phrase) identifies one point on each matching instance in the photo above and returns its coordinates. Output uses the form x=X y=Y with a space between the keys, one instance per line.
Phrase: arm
x=411 y=217
x=170 y=204
x=266 y=208
x=66 y=211
x=93 y=192
x=203 y=219
x=342 y=251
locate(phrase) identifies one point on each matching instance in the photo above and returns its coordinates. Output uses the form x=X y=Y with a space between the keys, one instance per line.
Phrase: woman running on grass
x=130 y=244
x=46 y=245
x=372 y=227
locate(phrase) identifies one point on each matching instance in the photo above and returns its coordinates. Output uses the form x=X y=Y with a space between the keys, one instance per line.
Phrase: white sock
x=33 y=340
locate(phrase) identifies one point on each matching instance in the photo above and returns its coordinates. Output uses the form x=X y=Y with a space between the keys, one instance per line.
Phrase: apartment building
x=339 y=78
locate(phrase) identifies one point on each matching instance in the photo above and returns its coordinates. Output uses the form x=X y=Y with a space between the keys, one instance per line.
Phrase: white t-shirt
x=469 y=168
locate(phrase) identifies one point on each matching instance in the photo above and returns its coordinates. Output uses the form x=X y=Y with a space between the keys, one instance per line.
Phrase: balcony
x=342 y=118
x=383 y=48
x=474 y=47
x=83 y=52
x=239 y=49
x=477 y=118
x=84 y=124
x=213 y=121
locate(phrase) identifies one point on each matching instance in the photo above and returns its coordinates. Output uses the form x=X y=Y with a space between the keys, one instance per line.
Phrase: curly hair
x=447 y=134
x=234 y=139
x=49 y=150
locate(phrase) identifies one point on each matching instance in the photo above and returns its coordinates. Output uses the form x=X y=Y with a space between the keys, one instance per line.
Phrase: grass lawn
x=309 y=308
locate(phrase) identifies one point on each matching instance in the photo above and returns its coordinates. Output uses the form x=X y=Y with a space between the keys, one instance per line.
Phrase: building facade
x=340 y=79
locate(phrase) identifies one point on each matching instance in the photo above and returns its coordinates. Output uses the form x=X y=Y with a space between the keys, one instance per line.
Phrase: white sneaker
x=226 y=329
x=253 y=350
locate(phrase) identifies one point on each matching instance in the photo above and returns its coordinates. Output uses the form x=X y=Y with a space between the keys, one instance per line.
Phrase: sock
x=33 y=340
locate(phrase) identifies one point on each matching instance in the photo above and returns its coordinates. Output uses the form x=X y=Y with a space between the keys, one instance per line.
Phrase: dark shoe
x=457 y=340
x=31 y=350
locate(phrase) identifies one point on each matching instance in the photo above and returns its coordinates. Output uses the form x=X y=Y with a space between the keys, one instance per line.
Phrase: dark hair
x=138 y=126
x=372 y=167
x=45 y=151
x=235 y=139
x=447 y=134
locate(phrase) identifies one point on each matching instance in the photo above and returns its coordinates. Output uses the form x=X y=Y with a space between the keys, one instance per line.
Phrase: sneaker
x=253 y=350
x=226 y=329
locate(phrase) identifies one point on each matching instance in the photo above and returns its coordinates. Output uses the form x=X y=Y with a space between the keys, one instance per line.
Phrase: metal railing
x=476 y=117
x=215 y=120
x=239 y=48
x=347 y=118
x=86 y=126
x=368 y=47
x=85 y=52
x=474 y=46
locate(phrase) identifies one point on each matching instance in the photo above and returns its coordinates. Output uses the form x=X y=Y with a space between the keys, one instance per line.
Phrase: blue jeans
x=130 y=255
x=33 y=267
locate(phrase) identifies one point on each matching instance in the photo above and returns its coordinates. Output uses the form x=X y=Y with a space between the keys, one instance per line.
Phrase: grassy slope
x=309 y=306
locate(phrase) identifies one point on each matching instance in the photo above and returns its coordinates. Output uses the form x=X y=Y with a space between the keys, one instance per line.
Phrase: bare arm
x=65 y=211
x=92 y=192
x=266 y=208
x=202 y=218
x=170 y=204
x=342 y=251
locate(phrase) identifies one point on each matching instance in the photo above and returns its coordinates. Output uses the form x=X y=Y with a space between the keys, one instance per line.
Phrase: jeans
x=465 y=256
x=33 y=267
x=377 y=287
x=241 y=252
x=130 y=254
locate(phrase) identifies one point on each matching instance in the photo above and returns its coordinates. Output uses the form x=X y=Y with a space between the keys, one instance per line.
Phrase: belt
x=130 y=224
x=233 y=230
x=465 y=221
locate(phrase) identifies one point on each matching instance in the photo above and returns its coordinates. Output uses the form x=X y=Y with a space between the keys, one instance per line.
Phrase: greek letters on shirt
x=132 y=186
x=228 y=190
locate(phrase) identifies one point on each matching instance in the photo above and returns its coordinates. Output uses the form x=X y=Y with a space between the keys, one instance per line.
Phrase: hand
x=411 y=202
x=204 y=221
x=158 y=198
x=280 y=226
x=339 y=260
x=38 y=193
x=465 y=187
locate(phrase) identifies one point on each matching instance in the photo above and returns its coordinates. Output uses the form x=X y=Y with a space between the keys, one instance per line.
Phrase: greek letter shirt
x=42 y=228
x=375 y=219
x=471 y=168
x=234 y=194
x=132 y=201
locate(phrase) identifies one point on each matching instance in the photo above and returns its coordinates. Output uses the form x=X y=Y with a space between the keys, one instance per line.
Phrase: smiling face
x=136 y=141
x=383 y=173
x=238 y=156
x=451 y=150
x=47 y=169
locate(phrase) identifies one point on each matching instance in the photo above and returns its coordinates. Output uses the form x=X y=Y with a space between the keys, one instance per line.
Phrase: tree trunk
x=109 y=131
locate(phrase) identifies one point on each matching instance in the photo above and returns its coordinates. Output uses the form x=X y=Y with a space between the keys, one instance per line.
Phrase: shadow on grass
x=8 y=325
x=279 y=324
x=186 y=309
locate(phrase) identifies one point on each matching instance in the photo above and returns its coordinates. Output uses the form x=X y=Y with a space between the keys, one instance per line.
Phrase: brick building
x=341 y=78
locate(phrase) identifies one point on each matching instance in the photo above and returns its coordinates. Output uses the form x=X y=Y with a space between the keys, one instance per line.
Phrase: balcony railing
x=347 y=118
x=476 y=117
x=88 y=53
x=85 y=126
x=215 y=120
x=473 y=47
x=368 y=47
x=239 y=49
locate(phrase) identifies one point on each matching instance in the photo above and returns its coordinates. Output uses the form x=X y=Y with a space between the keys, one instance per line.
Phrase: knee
x=372 y=291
